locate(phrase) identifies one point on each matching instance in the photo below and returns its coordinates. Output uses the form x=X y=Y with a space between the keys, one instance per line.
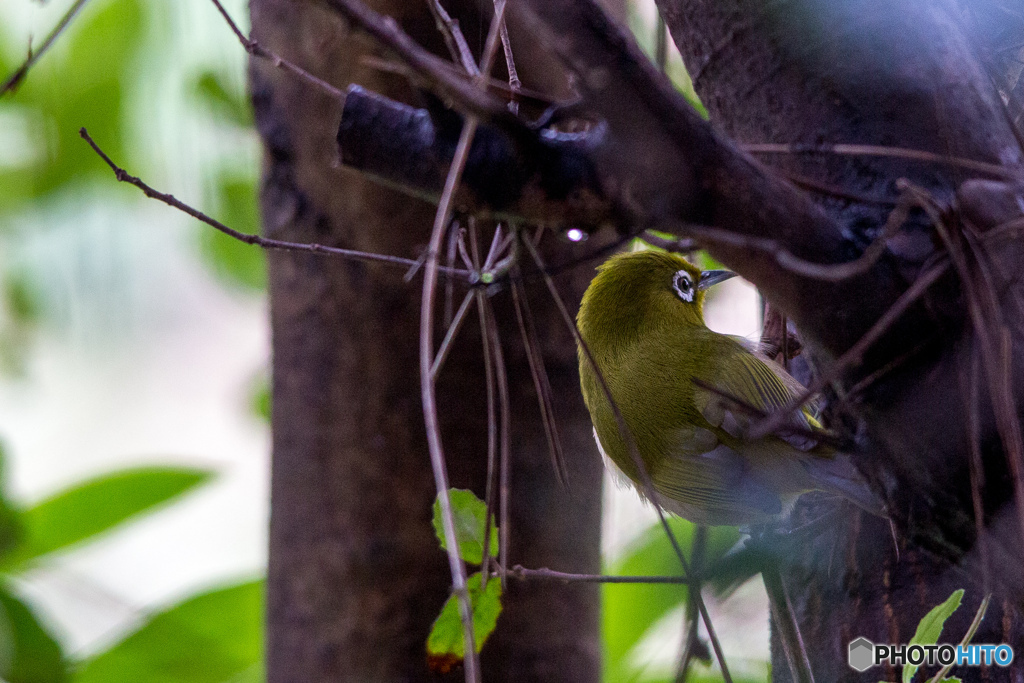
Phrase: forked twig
x=648 y=485
x=18 y=75
x=453 y=38
x=257 y=50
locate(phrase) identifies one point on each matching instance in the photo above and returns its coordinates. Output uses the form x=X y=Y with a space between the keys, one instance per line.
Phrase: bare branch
x=263 y=242
x=891 y=152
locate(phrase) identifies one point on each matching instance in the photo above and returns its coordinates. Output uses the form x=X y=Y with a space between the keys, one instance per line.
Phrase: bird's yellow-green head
x=637 y=291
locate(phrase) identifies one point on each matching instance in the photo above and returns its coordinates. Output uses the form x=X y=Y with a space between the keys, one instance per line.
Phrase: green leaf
x=210 y=638
x=930 y=627
x=227 y=103
x=470 y=513
x=446 y=646
x=99 y=505
x=260 y=399
x=28 y=653
x=11 y=530
x=235 y=262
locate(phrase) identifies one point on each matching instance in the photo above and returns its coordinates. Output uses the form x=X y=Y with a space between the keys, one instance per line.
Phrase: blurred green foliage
x=92 y=77
x=211 y=638
x=629 y=611
x=226 y=623
x=82 y=81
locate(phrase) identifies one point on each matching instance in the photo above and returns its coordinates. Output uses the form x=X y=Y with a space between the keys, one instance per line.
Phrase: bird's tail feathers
x=838 y=475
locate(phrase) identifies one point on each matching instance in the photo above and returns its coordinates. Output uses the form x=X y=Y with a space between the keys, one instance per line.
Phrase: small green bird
x=642 y=318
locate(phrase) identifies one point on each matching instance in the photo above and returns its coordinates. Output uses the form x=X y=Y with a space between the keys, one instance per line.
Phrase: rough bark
x=906 y=75
x=356 y=576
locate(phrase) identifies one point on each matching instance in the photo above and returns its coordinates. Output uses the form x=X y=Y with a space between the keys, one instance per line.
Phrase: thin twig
x=505 y=454
x=263 y=242
x=993 y=339
x=521 y=572
x=454 y=240
x=829 y=272
x=453 y=329
x=818 y=435
x=977 y=469
x=535 y=360
x=257 y=50
x=427 y=387
x=18 y=75
x=514 y=84
x=429 y=398
x=492 y=421
x=697 y=552
x=645 y=479
x=682 y=245
x=883 y=151
x=786 y=625
x=444 y=79
x=854 y=354
x=453 y=38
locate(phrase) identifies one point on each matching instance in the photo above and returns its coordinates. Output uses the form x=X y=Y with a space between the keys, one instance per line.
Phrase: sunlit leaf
x=470 y=513
x=446 y=645
x=98 y=505
x=211 y=638
x=930 y=627
x=28 y=653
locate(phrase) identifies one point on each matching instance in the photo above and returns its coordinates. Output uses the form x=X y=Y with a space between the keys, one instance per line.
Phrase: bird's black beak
x=712 y=277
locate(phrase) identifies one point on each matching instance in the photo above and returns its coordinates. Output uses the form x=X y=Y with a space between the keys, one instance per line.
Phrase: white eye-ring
x=683 y=284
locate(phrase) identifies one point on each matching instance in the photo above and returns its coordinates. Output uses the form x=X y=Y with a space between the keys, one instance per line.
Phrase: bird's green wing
x=742 y=378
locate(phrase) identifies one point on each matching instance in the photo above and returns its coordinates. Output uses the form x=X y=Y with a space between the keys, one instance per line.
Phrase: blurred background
x=134 y=361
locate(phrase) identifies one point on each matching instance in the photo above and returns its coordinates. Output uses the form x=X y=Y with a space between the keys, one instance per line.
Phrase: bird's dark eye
x=683 y=284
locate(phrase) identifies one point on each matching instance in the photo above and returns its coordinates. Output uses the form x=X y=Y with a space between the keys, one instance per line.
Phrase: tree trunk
x=356 y=575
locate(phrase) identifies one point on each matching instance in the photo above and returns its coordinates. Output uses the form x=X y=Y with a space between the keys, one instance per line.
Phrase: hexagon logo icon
x=861 y=654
